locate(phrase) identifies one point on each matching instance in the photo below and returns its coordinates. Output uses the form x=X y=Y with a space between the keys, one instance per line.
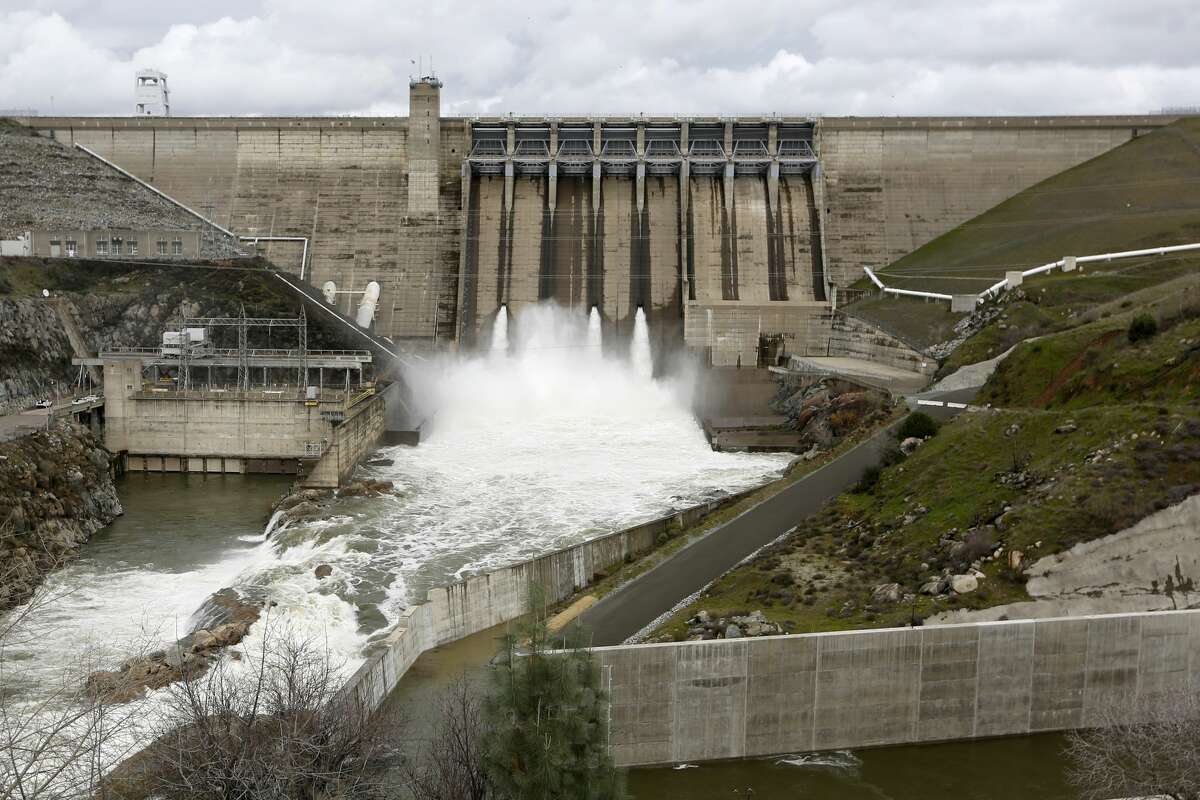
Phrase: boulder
x=934 y=587
x=962 y=584
x=733 y=632
x=323 y=571
x=1067 y=427
x=886 y=593
x=910 y=444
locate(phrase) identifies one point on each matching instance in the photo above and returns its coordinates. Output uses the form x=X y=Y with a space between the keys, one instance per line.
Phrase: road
x=21 y=422
x=635 y=605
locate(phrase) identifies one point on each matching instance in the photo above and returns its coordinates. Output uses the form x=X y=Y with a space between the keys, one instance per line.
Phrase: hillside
x=1144 y=193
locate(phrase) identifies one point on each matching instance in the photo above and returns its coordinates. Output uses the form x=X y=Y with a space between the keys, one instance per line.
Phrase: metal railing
x=1002 y=285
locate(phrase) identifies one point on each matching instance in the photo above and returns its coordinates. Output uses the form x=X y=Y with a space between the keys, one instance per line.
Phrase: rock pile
x=829 y=409
x=704 y=626
x=187 y=659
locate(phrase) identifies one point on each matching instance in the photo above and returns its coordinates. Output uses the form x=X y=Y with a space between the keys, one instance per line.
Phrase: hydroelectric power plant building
x=733 y=234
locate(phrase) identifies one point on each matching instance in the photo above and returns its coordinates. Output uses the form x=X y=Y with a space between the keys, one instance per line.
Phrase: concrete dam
x=733 y=234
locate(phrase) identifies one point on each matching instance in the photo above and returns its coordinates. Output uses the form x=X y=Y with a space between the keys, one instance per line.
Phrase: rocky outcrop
x=56 y=490
x=227 y=622
x=827 y=410
x=306 y=505
x=1152 y=566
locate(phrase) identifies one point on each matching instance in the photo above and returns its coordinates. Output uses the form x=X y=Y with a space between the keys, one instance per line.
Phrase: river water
x=1019 y=768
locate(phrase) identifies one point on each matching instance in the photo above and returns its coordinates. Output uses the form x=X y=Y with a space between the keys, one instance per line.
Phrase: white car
x=43 y=404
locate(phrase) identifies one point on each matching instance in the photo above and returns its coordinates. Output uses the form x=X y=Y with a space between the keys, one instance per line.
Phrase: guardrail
x=1000 y=286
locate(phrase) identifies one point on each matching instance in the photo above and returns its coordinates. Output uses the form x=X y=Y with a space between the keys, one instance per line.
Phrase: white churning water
x=542 y=442
x=539 y=445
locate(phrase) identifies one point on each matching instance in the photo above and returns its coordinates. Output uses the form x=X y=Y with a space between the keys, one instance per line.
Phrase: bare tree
x=55 y=739
x=273 y=725
x=1141 y=747
x=451 y=767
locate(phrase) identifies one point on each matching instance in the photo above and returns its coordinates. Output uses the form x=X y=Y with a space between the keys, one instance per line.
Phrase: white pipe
x=871 y=275
x=1153 y=251
x=911 y=293
x=303 y=253
x=1042 y=268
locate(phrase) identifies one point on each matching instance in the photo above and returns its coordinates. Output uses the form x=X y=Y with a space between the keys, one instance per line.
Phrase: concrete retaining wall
x=483 y=601
x=851 y=337
x=352 y=439
x=752 y=697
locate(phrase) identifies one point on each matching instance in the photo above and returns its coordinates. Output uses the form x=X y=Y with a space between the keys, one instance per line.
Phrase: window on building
x=141 y=108
x=101 y=247
x=162 y=247
x=177 y=248
x=116 y=245
x=72 y=248
x=131 y=247
x=55 y=248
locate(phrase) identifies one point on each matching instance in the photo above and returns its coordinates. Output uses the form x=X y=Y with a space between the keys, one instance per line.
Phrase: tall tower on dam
x=424 y=144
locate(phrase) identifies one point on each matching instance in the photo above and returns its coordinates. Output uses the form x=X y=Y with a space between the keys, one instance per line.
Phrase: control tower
x=424 y=143
x=150 y=91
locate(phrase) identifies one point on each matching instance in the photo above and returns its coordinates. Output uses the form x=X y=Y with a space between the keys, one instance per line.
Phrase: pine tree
x=548 y=720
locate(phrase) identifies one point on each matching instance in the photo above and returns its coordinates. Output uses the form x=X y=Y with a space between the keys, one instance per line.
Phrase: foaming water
x=595 y=335
x=639 y=347
x=500 y=331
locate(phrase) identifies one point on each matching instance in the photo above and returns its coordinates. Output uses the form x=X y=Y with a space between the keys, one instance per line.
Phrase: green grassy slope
x=1144 y=193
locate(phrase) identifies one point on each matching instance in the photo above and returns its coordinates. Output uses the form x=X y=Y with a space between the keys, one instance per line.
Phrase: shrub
x=869 y=480
x=918 y=424
x=1143 y=327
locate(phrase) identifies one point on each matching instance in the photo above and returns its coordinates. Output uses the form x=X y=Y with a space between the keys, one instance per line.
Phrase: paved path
x=635 y=605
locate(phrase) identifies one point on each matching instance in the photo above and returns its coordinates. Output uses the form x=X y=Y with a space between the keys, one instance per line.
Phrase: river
x=1018 y=768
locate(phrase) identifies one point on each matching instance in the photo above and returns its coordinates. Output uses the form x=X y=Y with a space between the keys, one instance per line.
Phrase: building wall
x=894 y=184
x=147 y=241
x=141 y=423
x=828 y=691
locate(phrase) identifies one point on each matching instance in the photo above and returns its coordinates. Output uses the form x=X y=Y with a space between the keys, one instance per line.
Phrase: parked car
x=43 y=404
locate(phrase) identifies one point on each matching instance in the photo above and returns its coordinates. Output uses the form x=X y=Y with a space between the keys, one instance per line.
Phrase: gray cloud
x=658 y=56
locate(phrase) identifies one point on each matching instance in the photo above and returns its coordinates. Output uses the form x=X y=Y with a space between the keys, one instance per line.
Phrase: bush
x=869 y=480
x=1143 y=326
x=918 y=424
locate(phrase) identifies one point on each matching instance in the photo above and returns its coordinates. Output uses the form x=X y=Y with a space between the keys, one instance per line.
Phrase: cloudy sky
x=655 y=56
